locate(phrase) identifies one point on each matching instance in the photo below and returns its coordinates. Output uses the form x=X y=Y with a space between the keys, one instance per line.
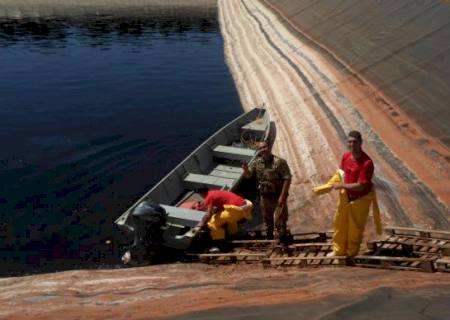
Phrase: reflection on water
x=98 y=30
x=93 y=112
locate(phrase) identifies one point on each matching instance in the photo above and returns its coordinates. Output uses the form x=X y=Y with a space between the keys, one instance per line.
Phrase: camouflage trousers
x=273 y=217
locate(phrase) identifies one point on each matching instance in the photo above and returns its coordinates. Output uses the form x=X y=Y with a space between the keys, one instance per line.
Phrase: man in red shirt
x=353 y=209
x=224 y=208
x=357 y=167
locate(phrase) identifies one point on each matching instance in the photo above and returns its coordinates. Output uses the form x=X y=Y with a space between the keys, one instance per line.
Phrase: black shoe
x=286 y=239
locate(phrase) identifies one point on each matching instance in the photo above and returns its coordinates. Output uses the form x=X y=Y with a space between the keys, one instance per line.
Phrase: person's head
x=264 y=149
x=354 y=141
x=202 y=191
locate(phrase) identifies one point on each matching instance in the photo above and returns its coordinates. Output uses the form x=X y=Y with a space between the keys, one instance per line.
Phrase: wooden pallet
x=297 y=248
x=233 y=257
x=431 y=245
x=397 y=263
x=312 y=237
x=403 y=249
x=255 y=244
x=443 y=264
x=302 y=260
x=421 y=233
x=303 y=255
x=410 y=245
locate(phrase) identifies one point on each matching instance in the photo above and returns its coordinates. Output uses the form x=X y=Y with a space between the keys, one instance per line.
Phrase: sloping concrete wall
x=402 y=47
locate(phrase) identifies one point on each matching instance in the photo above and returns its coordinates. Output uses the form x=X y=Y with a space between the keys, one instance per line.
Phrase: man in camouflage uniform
x=273 y=177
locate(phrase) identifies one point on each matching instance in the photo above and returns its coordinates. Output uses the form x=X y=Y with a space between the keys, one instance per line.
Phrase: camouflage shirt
x=270 y=175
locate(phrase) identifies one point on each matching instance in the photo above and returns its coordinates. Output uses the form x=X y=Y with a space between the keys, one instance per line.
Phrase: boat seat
x=258 y=125
x=183 y=217
x=226 y=171
x=193 y=181
x=233 y=153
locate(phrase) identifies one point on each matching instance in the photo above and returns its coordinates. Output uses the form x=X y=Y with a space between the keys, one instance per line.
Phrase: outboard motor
x=149 y=222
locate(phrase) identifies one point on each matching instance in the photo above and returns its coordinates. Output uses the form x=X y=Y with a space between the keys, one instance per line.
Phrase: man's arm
x=365 y=176
x=206 y=217
x=286 y=174
x=284 y=193
x=357 y=186
x=247 y=172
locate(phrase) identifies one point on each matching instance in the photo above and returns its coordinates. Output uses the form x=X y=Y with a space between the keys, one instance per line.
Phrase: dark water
x=93 y=112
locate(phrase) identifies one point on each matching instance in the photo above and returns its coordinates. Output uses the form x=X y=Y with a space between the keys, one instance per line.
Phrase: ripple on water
x=94 y=112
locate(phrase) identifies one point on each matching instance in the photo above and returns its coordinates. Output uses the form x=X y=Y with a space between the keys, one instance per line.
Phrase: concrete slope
x=402 y=47
x=315 y=101
x=196 y=291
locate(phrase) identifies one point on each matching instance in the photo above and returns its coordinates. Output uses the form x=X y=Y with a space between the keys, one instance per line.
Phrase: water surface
x=93 y=112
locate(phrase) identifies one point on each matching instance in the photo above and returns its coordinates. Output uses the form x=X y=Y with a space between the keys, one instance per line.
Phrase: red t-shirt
x=218 y=198
x=360 y=170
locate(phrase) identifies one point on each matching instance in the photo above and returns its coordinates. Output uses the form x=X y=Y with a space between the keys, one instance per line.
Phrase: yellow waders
x=350 y=218
x=230 y=215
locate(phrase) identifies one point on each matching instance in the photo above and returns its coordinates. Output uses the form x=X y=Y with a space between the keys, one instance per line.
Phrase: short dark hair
x=355 y=134
x=201 y=190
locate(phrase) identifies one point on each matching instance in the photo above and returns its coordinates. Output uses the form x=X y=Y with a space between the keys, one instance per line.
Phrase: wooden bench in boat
x=254 y=130
x=258 y=125
x=233 y=153
x=226 y=171
x=183 y=217
x=193 y=181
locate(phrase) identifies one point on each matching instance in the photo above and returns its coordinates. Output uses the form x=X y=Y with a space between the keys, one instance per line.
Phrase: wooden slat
x=443 y=264
x=256 y=241
x=423 y=233
x=425 y=265
x=418 y=245
x=306 y=258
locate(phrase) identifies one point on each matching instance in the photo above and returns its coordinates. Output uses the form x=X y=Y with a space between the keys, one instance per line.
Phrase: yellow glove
x=327 y=187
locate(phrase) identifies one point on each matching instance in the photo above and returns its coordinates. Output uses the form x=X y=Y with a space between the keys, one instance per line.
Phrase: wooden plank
x=308 y=258
x=311 y=236
x=424 y=233
x=217 y=255
x=383 y=258
x=414 y=245
x=405 y=263
x=443 y=265
x=256 y=241
x=446 y=251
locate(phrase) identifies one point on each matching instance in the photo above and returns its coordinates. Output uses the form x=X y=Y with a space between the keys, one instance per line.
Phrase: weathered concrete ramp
x=316 y=96
x=403 y=47
x=195 y=291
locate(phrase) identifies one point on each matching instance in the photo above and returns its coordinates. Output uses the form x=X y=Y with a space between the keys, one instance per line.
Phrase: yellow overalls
x=230 y=215
x=350 y=218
